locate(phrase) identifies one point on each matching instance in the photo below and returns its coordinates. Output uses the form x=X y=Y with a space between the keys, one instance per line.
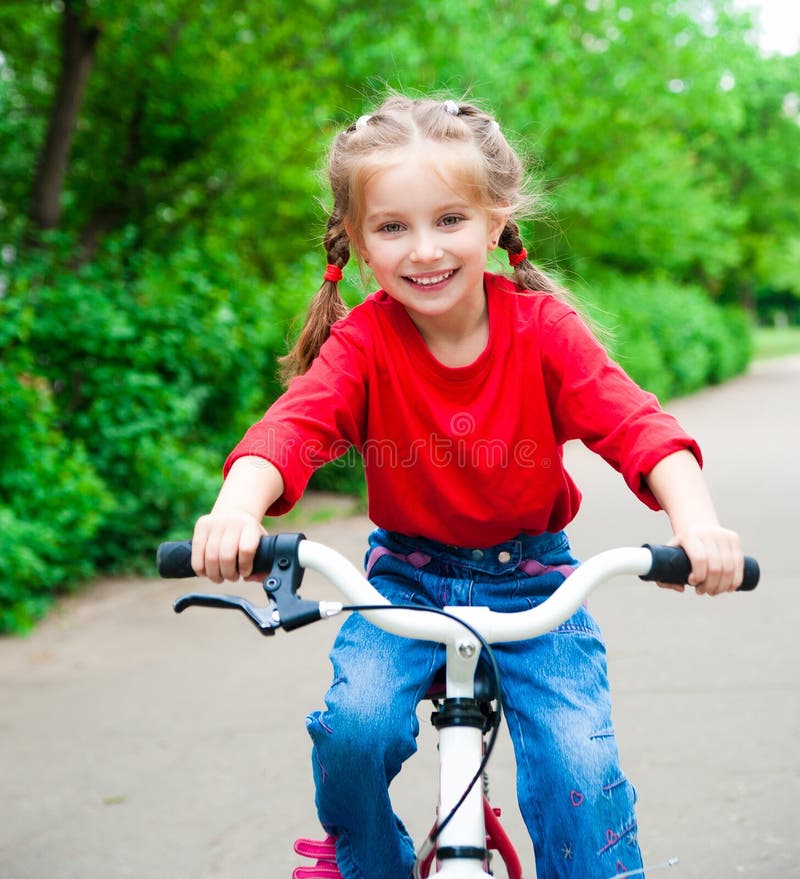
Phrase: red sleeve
x=319 y=417
x=594 y=400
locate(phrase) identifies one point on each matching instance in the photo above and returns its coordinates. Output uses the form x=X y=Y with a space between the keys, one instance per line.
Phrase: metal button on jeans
x=477 y=554
x=503 y=557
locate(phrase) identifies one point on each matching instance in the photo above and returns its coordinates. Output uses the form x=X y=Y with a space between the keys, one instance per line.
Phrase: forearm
x=715 y=552
x=679 y=486
x=251 y=486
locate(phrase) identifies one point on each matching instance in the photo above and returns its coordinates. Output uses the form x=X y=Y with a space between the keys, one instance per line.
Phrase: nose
x=426 y=248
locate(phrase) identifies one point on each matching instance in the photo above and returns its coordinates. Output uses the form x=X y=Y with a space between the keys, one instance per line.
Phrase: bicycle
x=466 y=828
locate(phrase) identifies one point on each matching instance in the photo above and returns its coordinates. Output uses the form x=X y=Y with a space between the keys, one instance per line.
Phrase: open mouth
x=430 y=280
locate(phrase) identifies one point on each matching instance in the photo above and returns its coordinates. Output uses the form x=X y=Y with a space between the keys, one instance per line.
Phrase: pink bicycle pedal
x=320 y=870
x=321 y=849
x=325 y=853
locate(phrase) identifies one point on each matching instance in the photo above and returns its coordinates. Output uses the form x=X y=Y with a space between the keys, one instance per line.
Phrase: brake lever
x=286 y=609
x=265 y=619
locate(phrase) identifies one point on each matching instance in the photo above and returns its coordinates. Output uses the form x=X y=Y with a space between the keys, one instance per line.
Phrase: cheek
x=382 y=253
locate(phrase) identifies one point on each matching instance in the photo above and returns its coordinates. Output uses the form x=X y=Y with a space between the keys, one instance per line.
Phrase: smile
x=431 y=280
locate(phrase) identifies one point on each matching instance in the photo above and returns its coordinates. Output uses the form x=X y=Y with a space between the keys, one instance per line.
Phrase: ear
x=356 y=240
x=497 y=222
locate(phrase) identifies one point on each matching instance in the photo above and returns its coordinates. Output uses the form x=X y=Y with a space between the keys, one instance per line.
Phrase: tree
x=78 y=41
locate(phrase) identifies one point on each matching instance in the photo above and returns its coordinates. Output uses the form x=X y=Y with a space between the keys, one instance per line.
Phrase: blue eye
x=451 y=220
x=391 y=227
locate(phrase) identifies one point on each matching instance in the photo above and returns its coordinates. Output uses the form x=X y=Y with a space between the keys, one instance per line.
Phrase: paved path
x=140 y=744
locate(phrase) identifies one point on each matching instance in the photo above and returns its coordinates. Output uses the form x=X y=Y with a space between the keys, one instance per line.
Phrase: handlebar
x=283 y=557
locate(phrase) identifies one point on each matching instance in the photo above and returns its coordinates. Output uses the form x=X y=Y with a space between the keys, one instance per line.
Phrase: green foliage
x=671 y=339
x=52 y=501
x=137 y=374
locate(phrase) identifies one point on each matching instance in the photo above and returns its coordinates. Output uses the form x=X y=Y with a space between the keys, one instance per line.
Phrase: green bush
x=671 y=339
x=52 y=501
x=124 y=383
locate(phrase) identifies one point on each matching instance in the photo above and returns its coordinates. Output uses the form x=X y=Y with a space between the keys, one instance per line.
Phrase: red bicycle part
x=496 y=840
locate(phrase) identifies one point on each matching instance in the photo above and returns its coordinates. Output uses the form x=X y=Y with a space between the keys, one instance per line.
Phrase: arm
x=715 y=552
x=225 y=541
x=321 y=414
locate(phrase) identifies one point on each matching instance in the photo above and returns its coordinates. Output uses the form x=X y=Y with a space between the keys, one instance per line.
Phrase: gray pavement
x=136 y=743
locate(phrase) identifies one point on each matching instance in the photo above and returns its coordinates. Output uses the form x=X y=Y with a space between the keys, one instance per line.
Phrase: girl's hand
x=716 y=557
x=224 y=544
x=225 y=541
x=714 y=551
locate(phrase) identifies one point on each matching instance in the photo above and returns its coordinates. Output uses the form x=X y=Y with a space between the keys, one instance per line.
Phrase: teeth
x=433 y=279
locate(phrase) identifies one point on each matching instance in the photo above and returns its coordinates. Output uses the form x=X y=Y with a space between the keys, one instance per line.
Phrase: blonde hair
x=483 y=161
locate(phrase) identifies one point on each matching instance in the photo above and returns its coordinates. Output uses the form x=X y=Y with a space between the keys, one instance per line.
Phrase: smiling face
x=425 y=240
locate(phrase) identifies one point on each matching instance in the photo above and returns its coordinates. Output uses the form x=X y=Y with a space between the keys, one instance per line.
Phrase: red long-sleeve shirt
x=469 y=456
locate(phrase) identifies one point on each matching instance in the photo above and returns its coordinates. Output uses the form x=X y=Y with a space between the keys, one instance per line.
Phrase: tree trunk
x=77 y=57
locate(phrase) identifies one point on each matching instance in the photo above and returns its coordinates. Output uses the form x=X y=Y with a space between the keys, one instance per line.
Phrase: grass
x=776 y=341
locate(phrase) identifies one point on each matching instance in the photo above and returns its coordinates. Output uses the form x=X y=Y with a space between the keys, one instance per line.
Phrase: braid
x=325 y=309
x=526 y=275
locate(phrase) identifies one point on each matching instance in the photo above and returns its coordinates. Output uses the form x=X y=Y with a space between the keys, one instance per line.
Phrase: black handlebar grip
x=174 y=559
x=672 y=565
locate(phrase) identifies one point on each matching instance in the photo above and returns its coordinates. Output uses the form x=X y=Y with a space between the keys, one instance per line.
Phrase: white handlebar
x=493 y=626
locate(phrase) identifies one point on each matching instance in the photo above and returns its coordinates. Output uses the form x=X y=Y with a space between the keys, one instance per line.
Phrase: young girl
x=459 y=388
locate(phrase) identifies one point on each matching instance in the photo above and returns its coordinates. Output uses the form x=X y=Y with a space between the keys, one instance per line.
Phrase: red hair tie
x=333 y=273
x=514 y=259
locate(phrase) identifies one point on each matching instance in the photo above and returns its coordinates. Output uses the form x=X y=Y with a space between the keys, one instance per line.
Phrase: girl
x=459 y=388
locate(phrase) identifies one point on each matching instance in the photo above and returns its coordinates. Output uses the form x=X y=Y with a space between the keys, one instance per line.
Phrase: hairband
x=450 y=107
x=514 y=259
x=333 y=273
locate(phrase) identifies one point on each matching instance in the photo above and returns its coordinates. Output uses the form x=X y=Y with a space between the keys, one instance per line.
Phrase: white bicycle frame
x=460 y=747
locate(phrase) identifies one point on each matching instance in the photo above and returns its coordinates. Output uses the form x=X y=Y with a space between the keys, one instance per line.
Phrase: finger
x=725 y=565
x=727 y=574
x=248 y=545
x=229 y=552
x=696 y=551
x=738 y=577
x=715 y=571
x=199 y=538
x=212 y=565
x=673 y=586
x=737 y=561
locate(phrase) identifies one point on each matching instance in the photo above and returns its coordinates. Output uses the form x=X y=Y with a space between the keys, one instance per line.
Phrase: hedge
x=671 y=339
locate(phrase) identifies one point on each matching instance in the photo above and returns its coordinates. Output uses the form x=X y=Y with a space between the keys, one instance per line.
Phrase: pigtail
x=526 y=275
x=326 y=307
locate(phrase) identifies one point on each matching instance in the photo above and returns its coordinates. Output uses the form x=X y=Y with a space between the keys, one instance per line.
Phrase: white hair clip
x=451 y=107
x=362 y=121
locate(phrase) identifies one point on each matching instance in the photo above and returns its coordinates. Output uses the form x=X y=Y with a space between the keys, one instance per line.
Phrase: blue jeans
x=576 y=802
